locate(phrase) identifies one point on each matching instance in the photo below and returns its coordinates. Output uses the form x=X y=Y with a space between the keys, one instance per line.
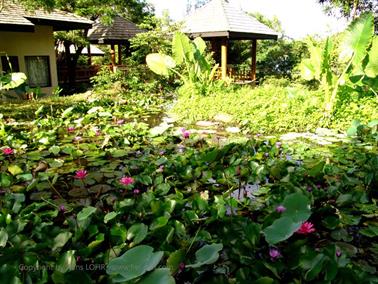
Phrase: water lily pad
x=133 y=263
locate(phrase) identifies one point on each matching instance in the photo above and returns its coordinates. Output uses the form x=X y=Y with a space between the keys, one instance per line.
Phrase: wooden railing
x=83 y=73
x=236 y=73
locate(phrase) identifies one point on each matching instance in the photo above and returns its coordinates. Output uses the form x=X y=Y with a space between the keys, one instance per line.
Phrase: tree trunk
x=355 y=8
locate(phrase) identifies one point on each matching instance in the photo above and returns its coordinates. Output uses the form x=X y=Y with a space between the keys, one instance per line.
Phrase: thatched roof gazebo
x=118 y=33
x=218 y=21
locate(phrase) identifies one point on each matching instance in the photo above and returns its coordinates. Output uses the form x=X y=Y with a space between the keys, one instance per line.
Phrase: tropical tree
x=357 y=60
x=350 y=8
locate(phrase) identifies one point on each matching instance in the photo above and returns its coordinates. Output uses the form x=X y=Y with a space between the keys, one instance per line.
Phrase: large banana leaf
x=182 y=48
x=200 y=45
x=12 y=80
x=160 y=63
x=312 y=67
x=357 y=39
x=371 y=69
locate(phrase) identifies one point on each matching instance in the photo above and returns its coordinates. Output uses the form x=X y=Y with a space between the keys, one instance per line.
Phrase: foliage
x=11 y=81
x=359 y=71
x=157 y=38
x=272 y=108
x=350 y=8
x=190 y=212
x=136 y=79
x=197 y=71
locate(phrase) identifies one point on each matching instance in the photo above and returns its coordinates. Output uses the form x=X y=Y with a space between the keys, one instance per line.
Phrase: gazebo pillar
x=224 y=58
x=112 y=54
x=253 y=66
x=89 y=54
x=119 y=54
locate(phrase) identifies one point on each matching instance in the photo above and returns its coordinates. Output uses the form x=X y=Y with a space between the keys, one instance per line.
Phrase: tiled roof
x=120 y=30
x=15 y=15
x=219 y=18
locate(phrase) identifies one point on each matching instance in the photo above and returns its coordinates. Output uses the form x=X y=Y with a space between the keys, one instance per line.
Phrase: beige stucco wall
x=38 y=43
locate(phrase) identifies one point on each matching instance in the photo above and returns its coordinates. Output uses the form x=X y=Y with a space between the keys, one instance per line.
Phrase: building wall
x=38 y=43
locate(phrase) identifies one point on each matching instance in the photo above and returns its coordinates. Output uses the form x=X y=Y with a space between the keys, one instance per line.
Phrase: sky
x=298 y=17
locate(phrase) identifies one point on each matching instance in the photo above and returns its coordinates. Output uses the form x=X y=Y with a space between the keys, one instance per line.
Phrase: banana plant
x=12 y=80
x=359 y=56
x=196 y=70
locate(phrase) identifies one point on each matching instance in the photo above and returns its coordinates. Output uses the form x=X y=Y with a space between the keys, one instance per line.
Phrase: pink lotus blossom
x=120 y=121
x=81 y=174
x=185 y=133
x=274 y=253
x=280 y=209
x=70 y=129
x=136 y=191
x=126 y=180
x=306 y=228
x=338 y=253
x=77 y=138
x=8 y=151
x=62 y=208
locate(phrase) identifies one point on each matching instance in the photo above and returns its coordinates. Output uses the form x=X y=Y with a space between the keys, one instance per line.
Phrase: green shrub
x=274 y=109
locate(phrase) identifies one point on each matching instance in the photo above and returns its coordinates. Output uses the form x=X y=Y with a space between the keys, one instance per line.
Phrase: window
x=8 y=62
x=38 y=71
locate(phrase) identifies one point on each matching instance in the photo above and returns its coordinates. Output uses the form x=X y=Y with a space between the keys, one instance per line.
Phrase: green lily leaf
x=158 y=276
x=85 y=213
x=15 y=170
x=133 y=263
x=61 y=239
x=137 y=233
x=208 y=254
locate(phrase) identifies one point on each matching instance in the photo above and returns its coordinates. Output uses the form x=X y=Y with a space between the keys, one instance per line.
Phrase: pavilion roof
x=14 y=17
x=120 y=31
x=219 y=18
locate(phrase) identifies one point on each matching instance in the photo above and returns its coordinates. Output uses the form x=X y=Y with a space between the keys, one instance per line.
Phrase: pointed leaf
x=160 y=63
x=200 y=44
x=3 y=237
x=372 y=66
x=67 y=262
x=182 y=48
x=357 y=39
x=85 y=213
x=61 y=239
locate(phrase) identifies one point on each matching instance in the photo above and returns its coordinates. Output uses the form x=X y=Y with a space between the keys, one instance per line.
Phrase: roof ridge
x=223 y=3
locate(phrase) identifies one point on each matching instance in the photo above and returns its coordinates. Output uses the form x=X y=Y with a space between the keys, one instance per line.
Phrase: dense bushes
x=272 y=109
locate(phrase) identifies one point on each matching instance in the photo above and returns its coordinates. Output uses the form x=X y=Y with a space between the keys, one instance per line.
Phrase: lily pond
x=100 y=192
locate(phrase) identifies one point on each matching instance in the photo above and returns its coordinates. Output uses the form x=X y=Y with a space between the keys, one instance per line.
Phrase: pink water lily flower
x=8 y=151
x=81 y=174
x=126 y=180
x=306 y=228
x=70 y=129
x=280 y=209
x=274 y=253
x=185 y=133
